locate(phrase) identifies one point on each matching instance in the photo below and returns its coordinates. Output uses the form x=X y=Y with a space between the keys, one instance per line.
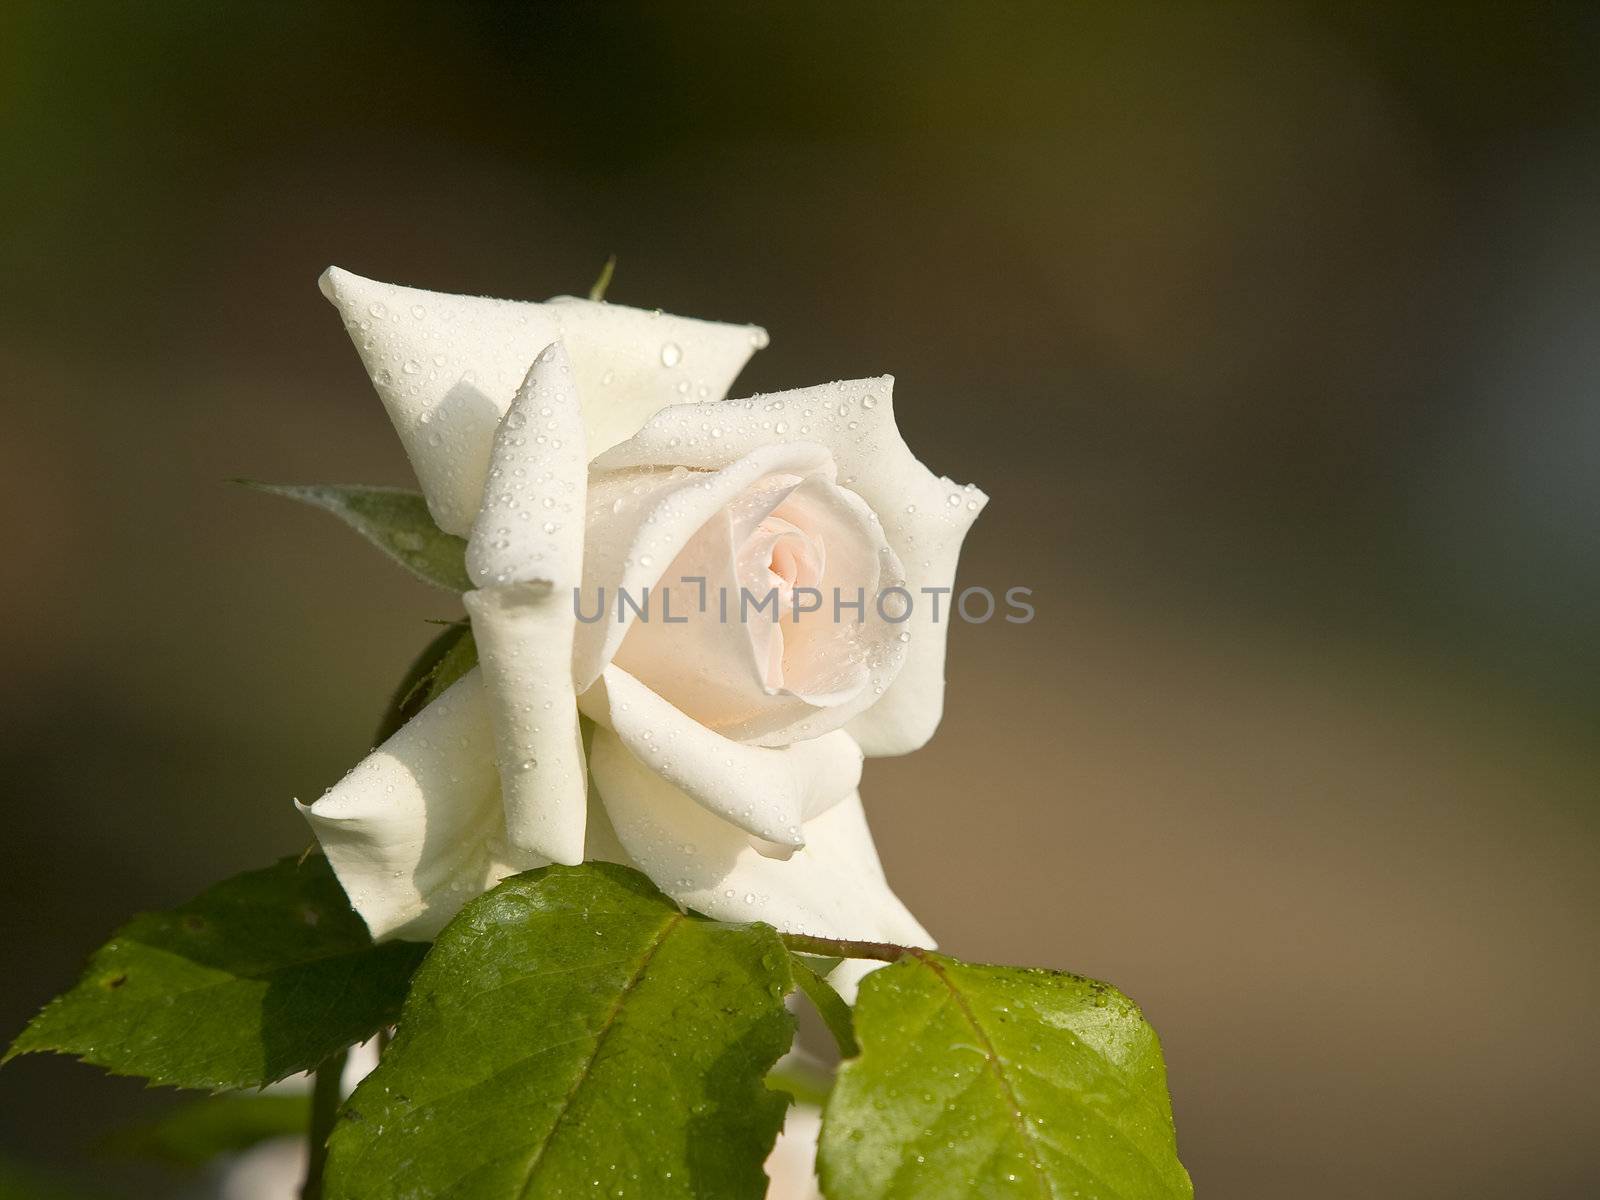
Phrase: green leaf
x=573 y=1033
x=197 y=1132
x=262 y=976
x=997 y=1081
x=395 y=520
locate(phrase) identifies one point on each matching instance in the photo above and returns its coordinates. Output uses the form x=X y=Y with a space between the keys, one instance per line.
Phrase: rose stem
x=806 y=943
x=325 y=1096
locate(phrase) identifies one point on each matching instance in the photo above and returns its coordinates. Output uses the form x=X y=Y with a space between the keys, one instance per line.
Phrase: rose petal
x=632 y=362
x=925 y=517
x=638 y=524
x=525 y=554
x=415 y=830
x=792 y=1164
x=769 y=794
x=524 y=634
x=446 y=368
x=853 y=660
x=834 y=887
x=703 y=664
x=530 y=521
x=671 y=534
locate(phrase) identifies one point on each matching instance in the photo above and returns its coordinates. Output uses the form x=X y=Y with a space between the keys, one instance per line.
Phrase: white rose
x=583 y=446
x=791 y=1166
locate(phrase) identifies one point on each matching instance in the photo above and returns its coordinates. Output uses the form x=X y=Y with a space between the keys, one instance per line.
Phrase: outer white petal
x=530 y=521
x=446 y=368
x=925 y=517
x=768 y=793
x=834 y=887
x=632 y=362
x=415 y=830
x=524 y=635
x=526 y=555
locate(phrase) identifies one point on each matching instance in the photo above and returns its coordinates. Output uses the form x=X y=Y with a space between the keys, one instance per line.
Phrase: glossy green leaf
x=262 y=976
x=194 y=1133
x=573 y=1033
x=979 y=1081
x=396 y=520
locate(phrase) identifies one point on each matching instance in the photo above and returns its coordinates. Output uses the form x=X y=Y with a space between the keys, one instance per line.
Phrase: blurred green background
x=1269 y=328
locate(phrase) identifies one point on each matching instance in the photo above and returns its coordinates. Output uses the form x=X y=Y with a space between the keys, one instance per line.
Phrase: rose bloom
x=584 y=449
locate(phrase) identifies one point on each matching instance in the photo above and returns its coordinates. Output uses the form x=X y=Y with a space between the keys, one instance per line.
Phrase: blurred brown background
x=1269 y=328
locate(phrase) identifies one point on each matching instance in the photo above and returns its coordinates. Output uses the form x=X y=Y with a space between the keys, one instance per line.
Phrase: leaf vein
x=1008 y=1093
x=610 y=1023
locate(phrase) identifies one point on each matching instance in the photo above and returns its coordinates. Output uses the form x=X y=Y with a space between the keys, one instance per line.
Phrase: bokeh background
x=1271 y=329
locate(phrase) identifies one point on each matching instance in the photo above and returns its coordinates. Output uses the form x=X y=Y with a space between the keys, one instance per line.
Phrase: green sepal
x=444 y=660
x=830 y=1006
x=395 y=520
